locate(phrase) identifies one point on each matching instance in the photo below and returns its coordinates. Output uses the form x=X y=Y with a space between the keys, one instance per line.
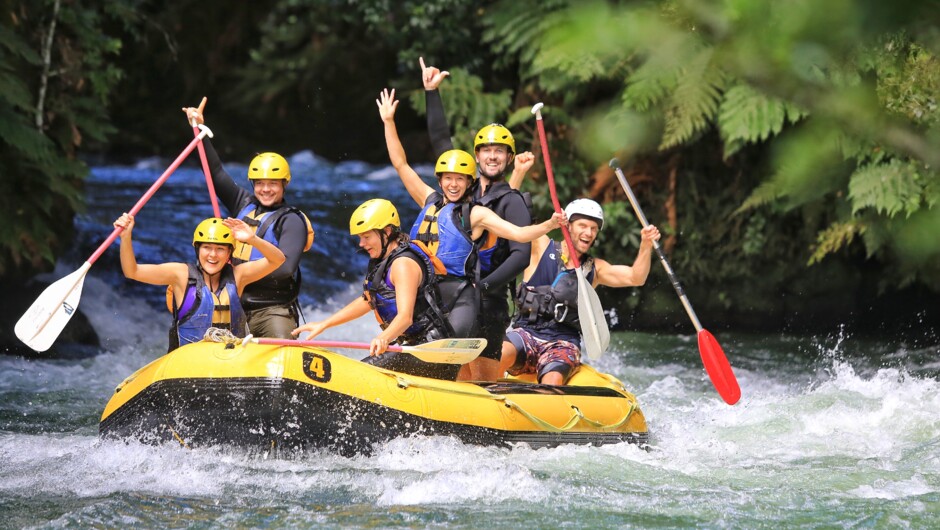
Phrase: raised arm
x=416 y=187
x=174 y=274
x=483 y=219
x=252 y=271
x=523 y=163
x=233 y=196
x=629 y=275
x=438 y=129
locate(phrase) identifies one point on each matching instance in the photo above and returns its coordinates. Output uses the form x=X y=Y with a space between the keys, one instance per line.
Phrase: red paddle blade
x=718 y=368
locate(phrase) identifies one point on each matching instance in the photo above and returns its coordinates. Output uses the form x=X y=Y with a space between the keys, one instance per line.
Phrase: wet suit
x=509 y=259
x=271 y=302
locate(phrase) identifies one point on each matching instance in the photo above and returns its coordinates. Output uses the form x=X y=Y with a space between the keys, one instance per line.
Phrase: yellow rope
x=576 y=417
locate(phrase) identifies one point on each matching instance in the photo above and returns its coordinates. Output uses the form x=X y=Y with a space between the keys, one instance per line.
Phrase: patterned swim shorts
x=542 y=356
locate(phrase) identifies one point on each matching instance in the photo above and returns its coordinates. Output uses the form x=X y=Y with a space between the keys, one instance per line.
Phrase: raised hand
x=558 y=218
x=240 y=230
x=431 y=76
x=125 y=221
x=524 y=161
x=387 y=104
x=649 y=234
x=194 y=115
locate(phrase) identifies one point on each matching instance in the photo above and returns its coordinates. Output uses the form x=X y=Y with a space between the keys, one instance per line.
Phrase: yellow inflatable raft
x=302 y=398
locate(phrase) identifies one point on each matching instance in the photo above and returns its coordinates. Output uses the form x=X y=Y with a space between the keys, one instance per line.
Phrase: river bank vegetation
x=788 y=150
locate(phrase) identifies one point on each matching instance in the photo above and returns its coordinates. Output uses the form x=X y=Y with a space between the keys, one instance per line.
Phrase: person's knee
x=508 y=356
x=555 y=373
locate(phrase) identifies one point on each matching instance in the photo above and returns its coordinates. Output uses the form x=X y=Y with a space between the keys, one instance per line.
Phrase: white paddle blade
x=594 y=331
x=447 y=351
x=42 y=323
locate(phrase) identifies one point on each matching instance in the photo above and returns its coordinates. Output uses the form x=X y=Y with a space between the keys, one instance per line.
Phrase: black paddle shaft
x=662 y=257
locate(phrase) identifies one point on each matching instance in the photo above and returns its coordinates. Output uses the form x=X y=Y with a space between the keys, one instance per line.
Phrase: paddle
x=713 y=357
x=43 y=321
x=444 y=351
x=205 y=163
x=590 y=311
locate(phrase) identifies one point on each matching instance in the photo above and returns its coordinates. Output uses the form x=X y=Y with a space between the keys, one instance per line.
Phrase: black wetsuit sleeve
x=519 y=253
x=291 y=239
x=232 y=196
x=438 y=130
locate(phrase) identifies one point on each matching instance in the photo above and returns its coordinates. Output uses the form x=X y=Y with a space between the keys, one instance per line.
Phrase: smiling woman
x=205 y=294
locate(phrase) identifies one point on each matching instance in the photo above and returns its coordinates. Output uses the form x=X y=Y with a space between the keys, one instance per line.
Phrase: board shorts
x=538 y=356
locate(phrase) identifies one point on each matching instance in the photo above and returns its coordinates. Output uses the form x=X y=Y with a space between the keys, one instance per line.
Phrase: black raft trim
x=295 y=416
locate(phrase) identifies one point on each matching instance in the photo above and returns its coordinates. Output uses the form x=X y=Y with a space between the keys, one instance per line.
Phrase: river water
x=832 y=431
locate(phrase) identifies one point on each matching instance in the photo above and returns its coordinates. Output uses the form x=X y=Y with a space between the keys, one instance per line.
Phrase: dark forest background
x=788 y=150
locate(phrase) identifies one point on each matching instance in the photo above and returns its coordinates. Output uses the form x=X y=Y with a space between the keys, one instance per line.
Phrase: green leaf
x=888 y=188
x=748 y=116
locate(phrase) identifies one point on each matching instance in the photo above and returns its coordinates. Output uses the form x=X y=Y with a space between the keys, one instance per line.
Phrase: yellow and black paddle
x=444 y=351
x=713 y=357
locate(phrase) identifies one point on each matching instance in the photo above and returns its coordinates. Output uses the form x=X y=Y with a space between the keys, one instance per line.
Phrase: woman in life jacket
x=206 y=293
x=449 y=228
x=399 y=289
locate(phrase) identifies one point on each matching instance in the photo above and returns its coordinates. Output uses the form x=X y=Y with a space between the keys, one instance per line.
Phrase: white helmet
x=586 y=208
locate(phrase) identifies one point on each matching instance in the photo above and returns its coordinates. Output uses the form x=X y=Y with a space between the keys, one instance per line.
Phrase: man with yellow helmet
x=206 y=293
x=270 y=303
x=450 y=225
x=501 y=260
x=399 y=288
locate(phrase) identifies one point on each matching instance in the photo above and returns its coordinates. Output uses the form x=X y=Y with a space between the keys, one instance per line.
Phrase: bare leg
x=485 y=369
x=508 y=357
x=553 y=378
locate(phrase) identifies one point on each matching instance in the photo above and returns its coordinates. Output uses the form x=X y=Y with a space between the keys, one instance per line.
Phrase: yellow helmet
x=495 y=133
x=213 y=231
x=374 y=214
x=269 y=166
x=456 y=161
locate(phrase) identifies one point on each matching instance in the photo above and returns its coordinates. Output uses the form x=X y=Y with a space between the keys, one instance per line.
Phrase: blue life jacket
x=276 y=288
x=443 y=234
x=428 y=321
x=202 y=309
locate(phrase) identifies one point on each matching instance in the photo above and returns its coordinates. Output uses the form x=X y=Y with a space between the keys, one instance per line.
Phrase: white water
x=825 y=434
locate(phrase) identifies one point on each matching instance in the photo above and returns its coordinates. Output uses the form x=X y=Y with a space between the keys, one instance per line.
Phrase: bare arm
x=416 y=187
x=352 y=311
x=175 y=274
x=252 y=271
x=483 y=219
x=406 y=277
x=629 y=275
x=538 y=247
x=523 y=163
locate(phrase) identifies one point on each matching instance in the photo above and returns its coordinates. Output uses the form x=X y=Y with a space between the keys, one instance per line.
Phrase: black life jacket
x=492 y=251
x=550 y=297
x=428 y=321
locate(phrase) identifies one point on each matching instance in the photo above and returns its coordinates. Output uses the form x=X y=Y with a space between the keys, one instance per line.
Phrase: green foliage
x=467 y=105
x=42 y=127
x=748 y=116
x=889 y=188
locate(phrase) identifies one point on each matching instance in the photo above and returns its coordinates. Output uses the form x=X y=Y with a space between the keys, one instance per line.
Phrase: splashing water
x=830 y=432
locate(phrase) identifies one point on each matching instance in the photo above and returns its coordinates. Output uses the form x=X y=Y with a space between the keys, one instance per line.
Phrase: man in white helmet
x=546 y=336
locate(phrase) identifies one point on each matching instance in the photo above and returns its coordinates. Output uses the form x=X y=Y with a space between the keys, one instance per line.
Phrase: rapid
x=833 y=431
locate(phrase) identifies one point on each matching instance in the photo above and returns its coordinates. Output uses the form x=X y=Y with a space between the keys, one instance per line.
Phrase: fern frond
x=835 y=237
x=649 y=85
x=748 y=116
x=694 y=103
x=766 y=193
x=888 y=188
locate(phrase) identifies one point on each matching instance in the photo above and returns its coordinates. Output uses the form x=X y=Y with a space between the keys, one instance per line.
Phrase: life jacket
x=492 y=251
x=428 y=320
x=443 y=234
x=550 y=296
x=261 y=223
x=202 y=308
x=273 y=289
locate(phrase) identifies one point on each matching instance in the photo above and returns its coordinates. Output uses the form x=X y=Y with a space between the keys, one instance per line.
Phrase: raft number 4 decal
x=317 y=367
